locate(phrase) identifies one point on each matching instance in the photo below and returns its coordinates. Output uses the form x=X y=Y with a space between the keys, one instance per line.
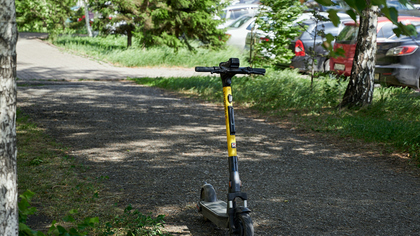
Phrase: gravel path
x=158 y=149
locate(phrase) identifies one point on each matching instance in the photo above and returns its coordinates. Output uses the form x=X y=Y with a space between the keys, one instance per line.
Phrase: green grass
x=393 y=118
x=65 y=187
x=113 y=49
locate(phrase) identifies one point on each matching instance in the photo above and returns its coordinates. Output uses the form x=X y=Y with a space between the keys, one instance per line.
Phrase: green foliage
x=134 y=223
x=131 y=223
x=275 y=19
x=393 y=118
x=73 y=20
x=24 y=207
x=55 y=230
x=157 y=22
x=43 y=15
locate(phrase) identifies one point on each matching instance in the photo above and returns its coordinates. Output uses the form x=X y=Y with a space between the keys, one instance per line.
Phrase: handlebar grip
x=204 y=69
x=259 y=71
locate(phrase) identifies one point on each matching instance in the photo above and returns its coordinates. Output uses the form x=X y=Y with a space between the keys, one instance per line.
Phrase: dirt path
x=158 y=149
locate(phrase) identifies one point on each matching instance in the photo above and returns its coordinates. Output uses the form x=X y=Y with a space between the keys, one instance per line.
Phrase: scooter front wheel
x=244 y=224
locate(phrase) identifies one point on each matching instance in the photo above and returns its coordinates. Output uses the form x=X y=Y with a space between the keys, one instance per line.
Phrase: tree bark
x=129 y=37
x=8 y=150
x=87 y=18
x=359 y=91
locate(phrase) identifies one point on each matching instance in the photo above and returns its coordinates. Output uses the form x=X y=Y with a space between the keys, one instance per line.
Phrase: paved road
x=158 y=149
x=41 y=61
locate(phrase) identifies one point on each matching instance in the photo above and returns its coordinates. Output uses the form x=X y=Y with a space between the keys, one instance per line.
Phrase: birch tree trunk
x=8 y=151
x=87 y=18
x=359 y=91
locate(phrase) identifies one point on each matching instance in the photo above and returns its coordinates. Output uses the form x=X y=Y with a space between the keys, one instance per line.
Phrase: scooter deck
x=216 y=212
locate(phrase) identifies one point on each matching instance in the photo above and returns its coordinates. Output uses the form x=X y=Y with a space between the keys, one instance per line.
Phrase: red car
x=348 y=37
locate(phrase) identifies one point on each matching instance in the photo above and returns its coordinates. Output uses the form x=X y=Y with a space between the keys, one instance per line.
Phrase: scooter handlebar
x=206 y=69
x=240 y=70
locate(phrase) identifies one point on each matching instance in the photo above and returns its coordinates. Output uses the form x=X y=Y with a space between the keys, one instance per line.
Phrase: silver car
x=238 y=30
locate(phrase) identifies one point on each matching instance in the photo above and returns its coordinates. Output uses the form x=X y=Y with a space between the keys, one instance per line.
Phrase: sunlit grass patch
x=113 y=49
x=392 y=119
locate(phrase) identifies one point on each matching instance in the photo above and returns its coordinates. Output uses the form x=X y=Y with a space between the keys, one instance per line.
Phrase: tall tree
x=87 y=18
x=276 y=18
x=43 y=15
x=161 y=22
x=8 y=94
x=359 y=91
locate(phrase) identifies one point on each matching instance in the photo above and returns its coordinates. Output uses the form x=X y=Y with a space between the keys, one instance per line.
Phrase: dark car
x=398 y=61
x=397 y=58
x=313 y=34
x=404 y=9
x=338 y=5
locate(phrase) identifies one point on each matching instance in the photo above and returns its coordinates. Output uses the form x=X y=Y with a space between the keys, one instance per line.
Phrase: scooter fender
x=241 y=209
x=208 y=194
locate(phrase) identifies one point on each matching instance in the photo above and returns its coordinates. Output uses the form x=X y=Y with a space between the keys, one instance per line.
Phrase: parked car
x=303 y=45
x=233 y=12
x=338 y=5
x=238 y=30
x=398 y=61
x=404 y=9
x=347 y=41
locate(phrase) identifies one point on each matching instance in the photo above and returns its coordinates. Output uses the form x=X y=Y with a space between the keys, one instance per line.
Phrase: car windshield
x=326 y=28
x=251 y=26
x=337 y=5
x=400 y=6
x=394 y=36
x=309 y=29
x=348 y=35
x=236 y=13
x=386 y=30
x=239 y=22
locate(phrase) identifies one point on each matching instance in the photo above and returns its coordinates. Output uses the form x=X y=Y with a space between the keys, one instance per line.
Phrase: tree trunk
x=129 y=36
x=87 y=18
x=359 y=91
x=8 y=151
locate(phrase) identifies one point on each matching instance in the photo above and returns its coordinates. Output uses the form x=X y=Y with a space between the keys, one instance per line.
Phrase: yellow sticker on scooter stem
x=231 y=140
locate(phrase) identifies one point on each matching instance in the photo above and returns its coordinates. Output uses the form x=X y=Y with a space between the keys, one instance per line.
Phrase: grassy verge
x=45 y=168
x=393 y=119
x=113 y=49
x=65 y=193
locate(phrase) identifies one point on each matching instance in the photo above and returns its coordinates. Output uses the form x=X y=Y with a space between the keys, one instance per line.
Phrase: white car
x=233 y=12
x=238 y=30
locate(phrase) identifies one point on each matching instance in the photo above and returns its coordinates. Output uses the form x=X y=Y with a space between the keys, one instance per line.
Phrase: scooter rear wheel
x=244 y=224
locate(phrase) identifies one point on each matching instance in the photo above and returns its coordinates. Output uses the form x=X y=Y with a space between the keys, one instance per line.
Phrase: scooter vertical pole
x=234 y=181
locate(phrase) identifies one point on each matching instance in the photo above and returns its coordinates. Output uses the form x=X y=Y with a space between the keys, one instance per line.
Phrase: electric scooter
x=234 y=214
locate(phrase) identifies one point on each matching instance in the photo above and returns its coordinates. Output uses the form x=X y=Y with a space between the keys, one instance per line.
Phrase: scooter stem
x=234 y=181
